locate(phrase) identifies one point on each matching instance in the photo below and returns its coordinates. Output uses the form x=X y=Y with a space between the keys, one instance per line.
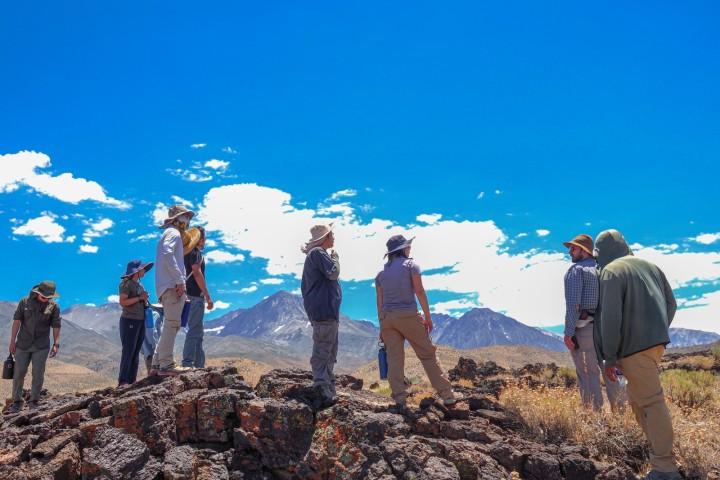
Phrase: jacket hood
x=610 y=245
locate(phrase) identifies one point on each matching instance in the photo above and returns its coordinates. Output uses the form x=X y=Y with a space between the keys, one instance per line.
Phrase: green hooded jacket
x=636 y=304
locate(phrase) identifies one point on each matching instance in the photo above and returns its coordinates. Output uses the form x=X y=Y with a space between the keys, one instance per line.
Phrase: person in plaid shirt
x=581 y=300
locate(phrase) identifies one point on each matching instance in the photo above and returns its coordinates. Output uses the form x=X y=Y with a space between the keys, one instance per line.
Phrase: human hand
x=610 y=373
x=210 y=304
x=569 y=343
x=180 y=289
x=144 y=296
x=12 y=347
x=54 y=350
x=428 y=324
x=334 y=255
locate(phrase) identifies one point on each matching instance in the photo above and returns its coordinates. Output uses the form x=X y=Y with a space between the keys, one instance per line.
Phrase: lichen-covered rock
x=114 y=454
x=279 y=431
x=148 y=415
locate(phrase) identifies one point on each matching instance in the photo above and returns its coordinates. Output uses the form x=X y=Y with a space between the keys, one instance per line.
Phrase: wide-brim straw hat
x=190 y=239
x=174 y=212
x=396 y=243
x=134 y=266
x=46 y=289
x=583 y=241
x=319 y=232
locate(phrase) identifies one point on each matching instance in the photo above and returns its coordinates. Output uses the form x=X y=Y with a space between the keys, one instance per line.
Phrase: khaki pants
x=648 y=403
x=588 y=373
x=23 y=359
x=395 y=328
x=172 y=310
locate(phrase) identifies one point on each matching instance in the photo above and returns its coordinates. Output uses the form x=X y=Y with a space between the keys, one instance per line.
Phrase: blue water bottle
x=149 y=320
x=185 y=314
x=382 y=361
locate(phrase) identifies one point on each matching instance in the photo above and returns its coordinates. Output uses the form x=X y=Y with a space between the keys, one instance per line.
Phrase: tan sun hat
x=318 y=234
x=583 y=241
x=46 y=288
x=174 y=212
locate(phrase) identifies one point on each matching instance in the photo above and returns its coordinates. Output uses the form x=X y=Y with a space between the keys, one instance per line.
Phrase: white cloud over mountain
x=25 y=169
x=525 y=285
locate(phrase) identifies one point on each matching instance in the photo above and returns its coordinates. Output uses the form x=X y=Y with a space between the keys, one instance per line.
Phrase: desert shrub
x=690 y=389
x=715 y=350
x=698 y=361
x=567 y=375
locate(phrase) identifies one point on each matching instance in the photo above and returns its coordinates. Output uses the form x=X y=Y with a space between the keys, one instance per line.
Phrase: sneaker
x=14 y=408
x=657 y=475
x=448 y=402
x=173 y=370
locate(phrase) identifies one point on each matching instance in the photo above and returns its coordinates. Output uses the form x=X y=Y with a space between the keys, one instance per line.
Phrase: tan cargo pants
x=395 y=328
x=172 y=310
x=647 y=401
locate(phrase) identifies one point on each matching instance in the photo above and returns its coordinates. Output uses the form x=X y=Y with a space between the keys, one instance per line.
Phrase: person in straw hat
x=396 y=287
x=581 y=301
x=198 y=293
x=133 y=300
x=321 y=297
x=170 y=280
x=35 y=315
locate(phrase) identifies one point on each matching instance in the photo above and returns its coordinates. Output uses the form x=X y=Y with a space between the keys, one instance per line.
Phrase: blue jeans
x=193 y=354
x=132 y=333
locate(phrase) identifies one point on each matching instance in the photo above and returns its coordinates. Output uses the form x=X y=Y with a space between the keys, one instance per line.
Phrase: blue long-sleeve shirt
x=581 y=292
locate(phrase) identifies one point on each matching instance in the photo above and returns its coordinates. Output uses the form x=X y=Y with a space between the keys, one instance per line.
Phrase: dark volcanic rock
x=209 y=424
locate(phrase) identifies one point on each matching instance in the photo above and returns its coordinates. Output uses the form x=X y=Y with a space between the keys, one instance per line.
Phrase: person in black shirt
x=197 y=292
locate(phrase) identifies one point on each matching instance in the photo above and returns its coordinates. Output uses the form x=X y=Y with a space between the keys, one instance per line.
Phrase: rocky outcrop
x=209 y=424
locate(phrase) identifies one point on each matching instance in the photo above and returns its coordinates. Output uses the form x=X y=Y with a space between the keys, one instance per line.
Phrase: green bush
x=715 y=350
x=689 y=389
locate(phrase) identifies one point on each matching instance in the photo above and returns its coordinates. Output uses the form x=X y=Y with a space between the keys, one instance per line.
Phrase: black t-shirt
x=194 y=258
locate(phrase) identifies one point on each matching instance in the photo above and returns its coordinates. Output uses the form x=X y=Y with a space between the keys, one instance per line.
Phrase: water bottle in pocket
x=185 y=314
x=149 y=320
x=382 y=361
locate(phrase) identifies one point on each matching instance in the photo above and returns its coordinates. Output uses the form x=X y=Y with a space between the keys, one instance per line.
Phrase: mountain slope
x=684 y=337
x=482 y=327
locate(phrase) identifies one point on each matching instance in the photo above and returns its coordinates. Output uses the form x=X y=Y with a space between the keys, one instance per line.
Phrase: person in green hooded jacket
x=636 y=307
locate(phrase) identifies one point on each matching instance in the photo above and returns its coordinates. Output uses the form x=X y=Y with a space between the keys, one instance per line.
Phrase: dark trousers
x=132 y=334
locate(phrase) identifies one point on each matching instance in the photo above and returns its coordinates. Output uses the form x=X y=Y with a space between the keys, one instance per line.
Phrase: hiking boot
x=14 y=408
x=657 y=475
x=173 y=370
x=149 y=365
x=33 y=404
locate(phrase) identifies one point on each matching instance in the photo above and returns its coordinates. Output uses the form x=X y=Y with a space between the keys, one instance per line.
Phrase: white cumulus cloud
x=97 y=229
x=429 y=218
x=221 y=256
x=541 y=232
x=272 y=281
x=113 y=298
x=89 y=248
x=250 y=289
x=197 y=146
x=215 y=164
x=348 y=192
x=43 y=227
x=707 y=238
x=220 y=305
x=25 y=169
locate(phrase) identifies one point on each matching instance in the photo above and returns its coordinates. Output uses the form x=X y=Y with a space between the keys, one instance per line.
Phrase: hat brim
x=145 y=266
x=575 y=244
x=408 y=243
x=171 y=219
x=54 y=295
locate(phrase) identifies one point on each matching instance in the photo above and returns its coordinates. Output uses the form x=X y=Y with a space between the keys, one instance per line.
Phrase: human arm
x=329 y=266
x=13 y=335
x=670 y=302
x=56 y=341
x=126 y=302
x=573 y=296
x=421 y=295
x=202 y=284
x=379 y=299
x=611 y=316
x=171 y=243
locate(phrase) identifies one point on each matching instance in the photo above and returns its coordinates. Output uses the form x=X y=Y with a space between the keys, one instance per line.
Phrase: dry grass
x=690 y=389
x=556 y=414
x=698 y=361
x=715 y=350
x=63 y=377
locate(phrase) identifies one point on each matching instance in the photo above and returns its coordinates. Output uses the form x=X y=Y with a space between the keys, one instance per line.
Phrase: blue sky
x=491 y=132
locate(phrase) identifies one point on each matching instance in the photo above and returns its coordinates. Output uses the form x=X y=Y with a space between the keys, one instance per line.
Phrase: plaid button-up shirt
x=581 y=292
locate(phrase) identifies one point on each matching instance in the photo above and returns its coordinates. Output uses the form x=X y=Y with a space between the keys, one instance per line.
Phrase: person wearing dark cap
x=321 y=298
x=397 y=286
x=34 y=317
x=133 y=300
